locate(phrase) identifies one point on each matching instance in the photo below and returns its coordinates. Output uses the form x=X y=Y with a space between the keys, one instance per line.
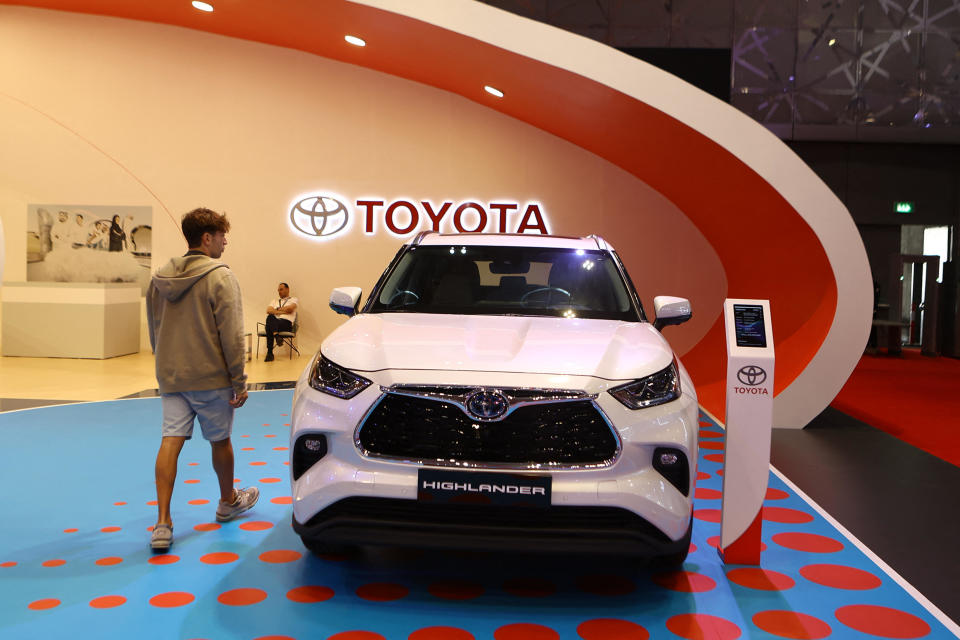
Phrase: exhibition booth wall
x=699 y=200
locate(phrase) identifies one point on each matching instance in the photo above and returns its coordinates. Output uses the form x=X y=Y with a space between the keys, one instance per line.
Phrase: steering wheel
x=549 y=290
x=403 y=292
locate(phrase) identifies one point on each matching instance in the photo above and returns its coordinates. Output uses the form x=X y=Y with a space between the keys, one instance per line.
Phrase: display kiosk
x=70 y=320
x=746 y=466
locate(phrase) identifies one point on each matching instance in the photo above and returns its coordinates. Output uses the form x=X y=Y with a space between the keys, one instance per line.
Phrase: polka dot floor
x=78 y=499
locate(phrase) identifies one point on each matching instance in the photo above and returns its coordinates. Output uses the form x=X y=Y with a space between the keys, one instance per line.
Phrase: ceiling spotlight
x=832 y=42
x=493 y=91
x=202 y=6
x=355 y=41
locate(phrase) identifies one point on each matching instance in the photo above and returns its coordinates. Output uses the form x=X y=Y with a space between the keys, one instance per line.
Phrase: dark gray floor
x=903 y=503
x=13 y=404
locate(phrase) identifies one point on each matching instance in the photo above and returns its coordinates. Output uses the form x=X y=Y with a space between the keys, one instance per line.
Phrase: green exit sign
x=903 y=207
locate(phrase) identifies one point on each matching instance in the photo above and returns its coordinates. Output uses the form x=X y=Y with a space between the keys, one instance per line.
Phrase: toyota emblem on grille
x=751 y=375
x=487 y=405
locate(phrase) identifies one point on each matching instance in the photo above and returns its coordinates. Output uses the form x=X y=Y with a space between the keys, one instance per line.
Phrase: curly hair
x=200 y=221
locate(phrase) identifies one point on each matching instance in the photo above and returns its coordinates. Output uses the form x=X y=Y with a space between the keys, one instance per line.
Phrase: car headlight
x=335 y=380
x=659 y=388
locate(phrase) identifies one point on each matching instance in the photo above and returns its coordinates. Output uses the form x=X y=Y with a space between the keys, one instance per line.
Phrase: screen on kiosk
x=748 y=325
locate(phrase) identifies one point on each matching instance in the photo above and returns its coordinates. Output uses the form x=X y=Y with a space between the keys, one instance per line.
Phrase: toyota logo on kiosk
x=487 y=405
x=751 y=375
x=319 y=216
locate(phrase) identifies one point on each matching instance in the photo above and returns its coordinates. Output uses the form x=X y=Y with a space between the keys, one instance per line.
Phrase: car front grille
x=568 y=433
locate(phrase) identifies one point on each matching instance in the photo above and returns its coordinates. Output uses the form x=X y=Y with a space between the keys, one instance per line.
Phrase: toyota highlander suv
x=498 y=392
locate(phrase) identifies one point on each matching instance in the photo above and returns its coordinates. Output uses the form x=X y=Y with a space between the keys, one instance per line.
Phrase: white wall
x=98 y=110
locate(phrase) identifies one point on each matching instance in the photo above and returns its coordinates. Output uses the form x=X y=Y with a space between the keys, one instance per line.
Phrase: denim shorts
x=212 y=408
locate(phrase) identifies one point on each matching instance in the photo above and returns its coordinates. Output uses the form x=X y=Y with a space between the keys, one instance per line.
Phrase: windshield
x=526 y=281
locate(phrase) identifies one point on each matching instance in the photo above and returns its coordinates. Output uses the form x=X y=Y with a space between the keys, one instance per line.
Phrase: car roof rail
x=601 y=243
x=420 y=237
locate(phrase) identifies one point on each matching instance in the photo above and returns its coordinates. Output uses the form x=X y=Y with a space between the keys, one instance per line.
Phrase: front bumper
x=606 y=530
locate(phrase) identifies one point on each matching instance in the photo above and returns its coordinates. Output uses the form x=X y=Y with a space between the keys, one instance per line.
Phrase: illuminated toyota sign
x=325 y=215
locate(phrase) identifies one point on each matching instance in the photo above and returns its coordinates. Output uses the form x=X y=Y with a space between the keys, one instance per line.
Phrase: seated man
x=281 y=314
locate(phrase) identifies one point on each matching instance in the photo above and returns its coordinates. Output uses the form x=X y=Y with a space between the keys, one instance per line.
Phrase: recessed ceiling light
x=832 y=42
x=202 y=6
x=493 y=91
x=354 y=40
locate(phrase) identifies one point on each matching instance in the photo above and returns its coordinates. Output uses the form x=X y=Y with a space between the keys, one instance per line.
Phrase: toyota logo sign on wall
x=319 y=216
x=487 y=405
x=751 y=375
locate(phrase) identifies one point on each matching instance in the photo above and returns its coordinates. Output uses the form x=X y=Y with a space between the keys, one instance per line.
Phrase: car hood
x=608 y=349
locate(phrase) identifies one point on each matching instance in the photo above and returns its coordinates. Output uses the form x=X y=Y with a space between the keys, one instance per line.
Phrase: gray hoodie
x=195 y=318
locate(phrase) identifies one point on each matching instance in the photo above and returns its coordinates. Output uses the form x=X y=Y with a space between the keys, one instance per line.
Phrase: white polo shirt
x=276 y=303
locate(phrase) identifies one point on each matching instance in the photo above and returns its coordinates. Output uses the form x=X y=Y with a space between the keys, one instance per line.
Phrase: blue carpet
x=74 y=563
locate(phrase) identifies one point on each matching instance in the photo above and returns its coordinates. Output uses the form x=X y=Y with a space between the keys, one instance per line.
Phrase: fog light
x=672 y=464
x=314 y=444
x=307 y=451
x=668 y=459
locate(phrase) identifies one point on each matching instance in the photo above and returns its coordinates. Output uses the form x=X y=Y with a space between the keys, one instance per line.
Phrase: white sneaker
x=244 y=501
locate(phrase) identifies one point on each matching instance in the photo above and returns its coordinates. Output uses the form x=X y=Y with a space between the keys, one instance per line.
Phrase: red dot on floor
x=8 y=564
x=707 y=494
x=286 y=424
x=219 y=557
x=525 y=631
x=701 y=475
x=685 y=581
x=760 y=579
x=706 y=433
x=882 y=621
x=54 y=563
x=714 y=541
x=206 y=526
x=456 y=590
x=106 y=562
x=529 y=587
x=356 y=635
x=279 y=556
x=707 y=515
x=284 y=414
x=236 y=480
x=705 y=423
x=70 y=530
x=606 y=585
x=172 y=599
x=607 y=628
x=310 y=593
x=257 y=464
x=110 y=529
x=107 y=602
x=45 y=603
x=281 y=448
x=256 y=525
x=274 y=638
x=382 y=591
x=776 y=494
x=719 y=472
x=248 y=449
x=193 y=464
x=269 y=480
x=119 y=504
x=701 y=626
x=270 y=435
x=191 y=481
x=440 y=633
x=199 y=501
x=242 y=597
x=152 y=503
x=287 y=463
x=840 y=577
x=164 y=559
x=282 y=500
x=810 y=542
x=792 y=624
x=712 y=444
x=788 y=516
x=714 y=457
x=245 y=436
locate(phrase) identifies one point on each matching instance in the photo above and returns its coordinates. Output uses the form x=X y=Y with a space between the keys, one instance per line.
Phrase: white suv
x=498 y=391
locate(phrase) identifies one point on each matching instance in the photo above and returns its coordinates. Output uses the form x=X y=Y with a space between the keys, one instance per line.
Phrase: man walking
x=196 y=330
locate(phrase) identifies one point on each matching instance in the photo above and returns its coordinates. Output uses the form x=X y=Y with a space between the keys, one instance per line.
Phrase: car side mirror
x=670 y=310
x=345 y=300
